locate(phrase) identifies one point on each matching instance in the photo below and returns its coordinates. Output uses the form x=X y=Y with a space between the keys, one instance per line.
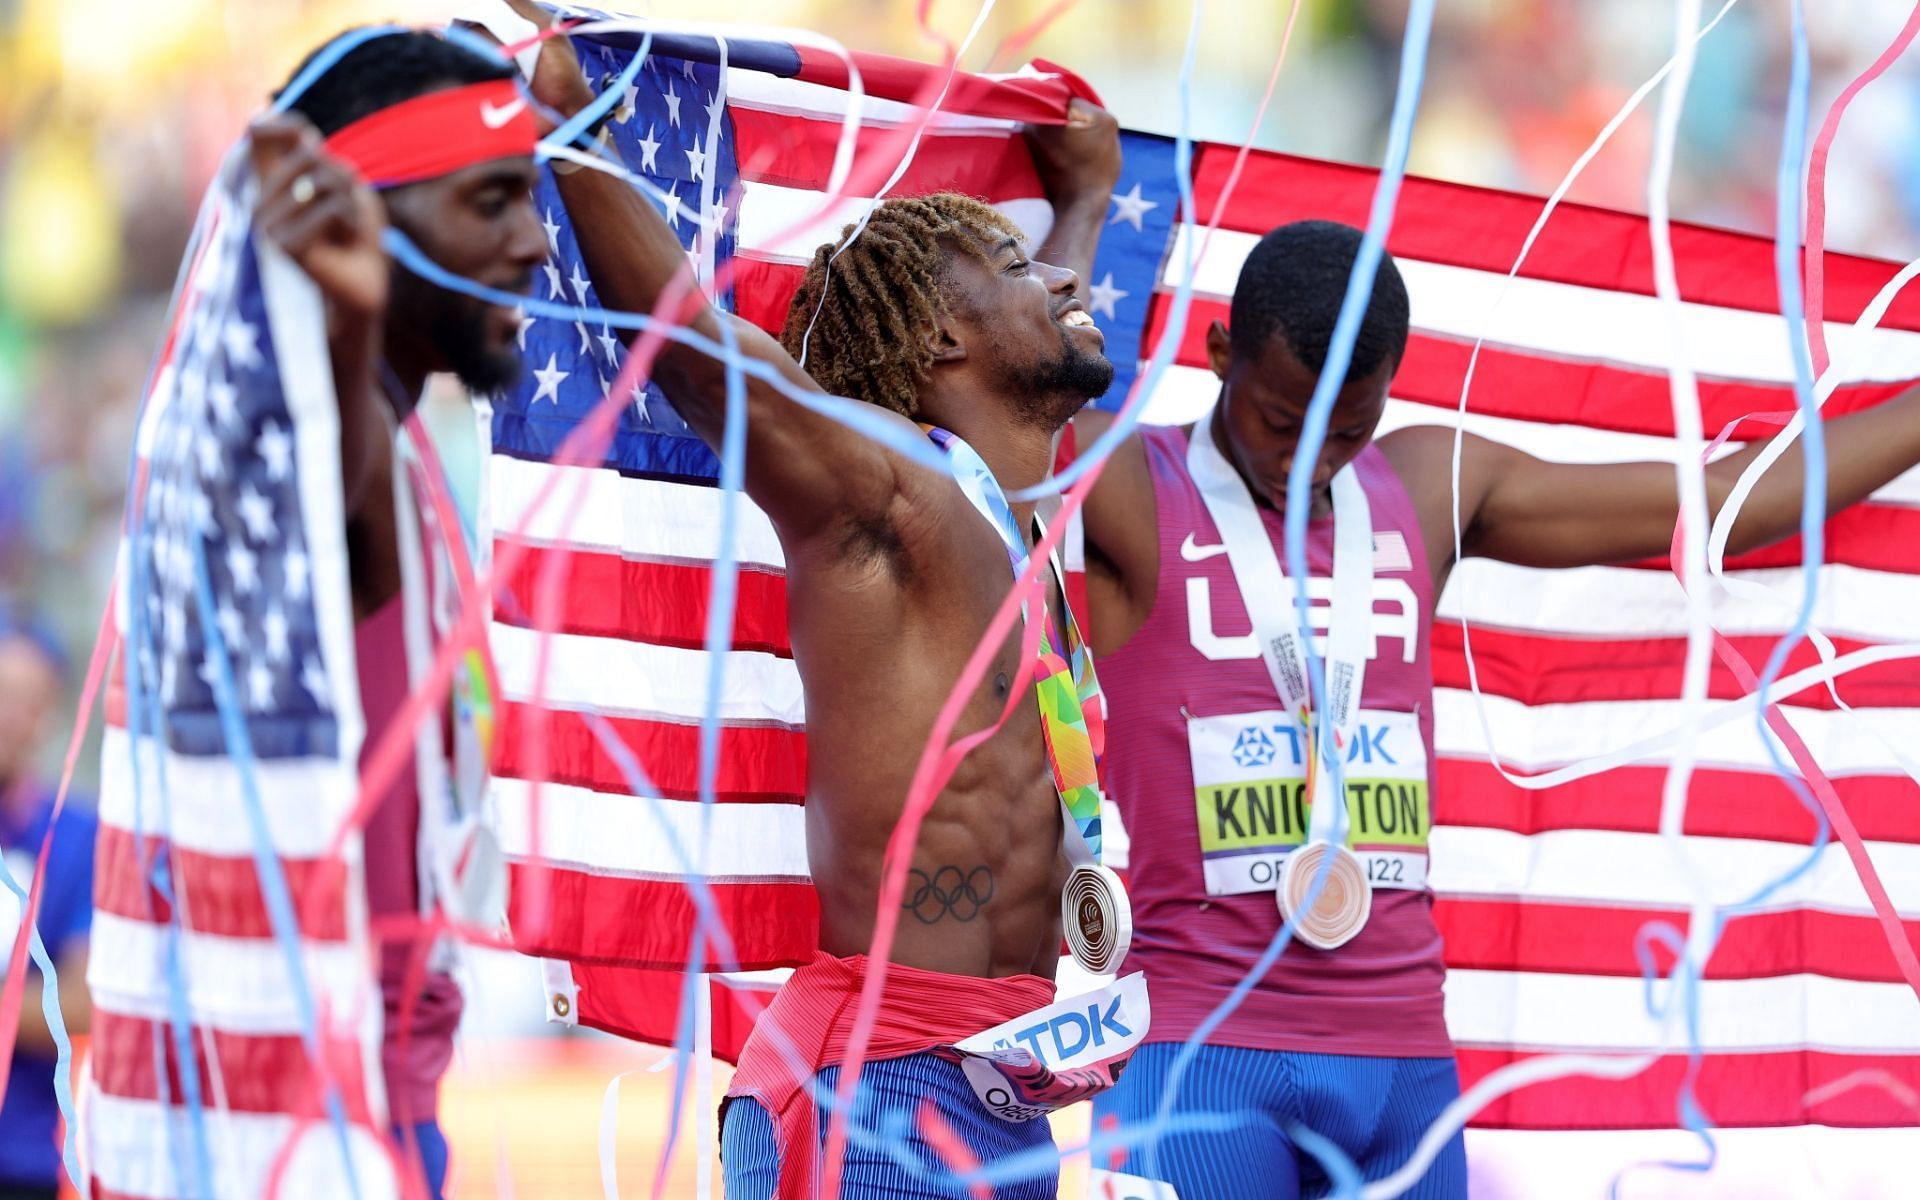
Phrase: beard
x=1048 y=395
x=455 y=326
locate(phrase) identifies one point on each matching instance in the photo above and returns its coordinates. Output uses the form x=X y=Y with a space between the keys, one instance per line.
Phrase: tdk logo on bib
x=1060 y=1038
x=1076 y=1031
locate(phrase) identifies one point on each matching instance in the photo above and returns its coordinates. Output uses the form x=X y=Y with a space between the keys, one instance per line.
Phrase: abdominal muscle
x=982 y=893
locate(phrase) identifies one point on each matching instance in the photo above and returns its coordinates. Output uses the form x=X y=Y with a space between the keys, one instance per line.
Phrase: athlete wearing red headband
x=413 y=130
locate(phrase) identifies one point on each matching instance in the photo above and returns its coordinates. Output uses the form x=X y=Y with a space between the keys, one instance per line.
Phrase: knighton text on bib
x=1250 y=775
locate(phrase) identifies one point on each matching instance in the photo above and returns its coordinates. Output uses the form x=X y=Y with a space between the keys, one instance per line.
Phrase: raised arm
x=1078 y=162
x=1520 y=509
x=810 y=473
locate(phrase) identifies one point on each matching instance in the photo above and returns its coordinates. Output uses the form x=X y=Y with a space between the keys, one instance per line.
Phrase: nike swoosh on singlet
x=1193 y=552
x=495 y=116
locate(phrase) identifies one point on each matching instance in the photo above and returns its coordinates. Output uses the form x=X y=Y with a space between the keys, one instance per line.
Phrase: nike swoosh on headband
x=494 y=116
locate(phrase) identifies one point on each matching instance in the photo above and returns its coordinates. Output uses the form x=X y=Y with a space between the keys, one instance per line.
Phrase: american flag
x=1539 y=893
x=236 y=1019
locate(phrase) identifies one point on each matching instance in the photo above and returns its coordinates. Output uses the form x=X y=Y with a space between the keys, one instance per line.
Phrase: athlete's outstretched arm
x=811 y=474
x=1520 y=509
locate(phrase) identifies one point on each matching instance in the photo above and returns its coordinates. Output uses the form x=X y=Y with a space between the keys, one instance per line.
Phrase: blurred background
x=114 y=113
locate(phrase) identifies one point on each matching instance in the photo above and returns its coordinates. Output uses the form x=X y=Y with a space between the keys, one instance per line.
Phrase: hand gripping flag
x=236 y=1021
x=1539 y=893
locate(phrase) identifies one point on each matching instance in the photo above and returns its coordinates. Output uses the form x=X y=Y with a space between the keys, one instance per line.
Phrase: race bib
x=1250 y=783
x=1071 y=1050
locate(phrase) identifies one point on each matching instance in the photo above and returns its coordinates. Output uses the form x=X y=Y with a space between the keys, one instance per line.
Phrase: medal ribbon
x=1066 y=686
x=1263 y=589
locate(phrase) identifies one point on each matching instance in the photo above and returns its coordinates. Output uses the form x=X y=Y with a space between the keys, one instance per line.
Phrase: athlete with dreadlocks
x=935 y=312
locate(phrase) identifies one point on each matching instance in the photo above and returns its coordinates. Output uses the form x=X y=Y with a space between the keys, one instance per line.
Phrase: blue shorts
x=886 y=1156
x=1373 y=1109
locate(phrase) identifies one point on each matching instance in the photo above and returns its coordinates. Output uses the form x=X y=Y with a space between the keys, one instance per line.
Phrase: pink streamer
x=13 y=994
x=930 y=775
x=1815 y=253
x=1816 y=779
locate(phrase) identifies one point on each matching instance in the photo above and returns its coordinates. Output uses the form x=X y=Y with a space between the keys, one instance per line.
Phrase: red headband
x=438 y=133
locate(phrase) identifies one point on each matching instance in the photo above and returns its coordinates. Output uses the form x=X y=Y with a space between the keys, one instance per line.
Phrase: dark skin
x=386 y=333
x=892 y=577
x=1513 y=507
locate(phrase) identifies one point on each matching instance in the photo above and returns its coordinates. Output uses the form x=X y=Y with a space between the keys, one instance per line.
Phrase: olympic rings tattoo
x=948 y=892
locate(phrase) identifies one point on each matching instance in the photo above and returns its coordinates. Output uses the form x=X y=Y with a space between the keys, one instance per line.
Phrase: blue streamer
x=56 y=1023
x=273 y=880
x=1341 y=1171
x=143 y=722
x=865 y=419
x=1813 y=498
x=571 y=128
x=1813 y=495
x=326 y=58
x=718 y=640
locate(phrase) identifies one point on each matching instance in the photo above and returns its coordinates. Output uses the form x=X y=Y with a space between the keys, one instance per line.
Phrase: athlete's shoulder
x=1421 y=455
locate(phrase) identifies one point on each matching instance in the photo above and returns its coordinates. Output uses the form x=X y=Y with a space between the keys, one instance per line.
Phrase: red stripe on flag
x=223 y=893
x=1720 y=803
x=599 y=918
x=267 y=1074
x=758 y=764
x=1484 y=229
x=798 y=152
x=762 y=290
x=665 y=603
x=645 y=1005
x=1536 y=668
x=1531 y=387
x=1736 y=1089
x=1508 y=935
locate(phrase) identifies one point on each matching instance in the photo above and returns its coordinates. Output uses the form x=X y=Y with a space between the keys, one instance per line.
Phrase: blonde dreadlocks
x=882 y=294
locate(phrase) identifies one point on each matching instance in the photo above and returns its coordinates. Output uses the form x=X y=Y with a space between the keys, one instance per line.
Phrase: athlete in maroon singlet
x=1350 y=1042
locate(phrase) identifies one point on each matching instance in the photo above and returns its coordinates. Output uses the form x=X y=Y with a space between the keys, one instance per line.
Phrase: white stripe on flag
x=784 y=224
x=1635 y=870
x=629 y=835
x=132 y=1146
x=1538 y=737
x=1579 y=444
x=235 y=984
x=1585 y=602
x=1571 y=321
x=303 y=799
x=641 y=518
x=1624 y=602
x=1541 y=1011
x=636 y=679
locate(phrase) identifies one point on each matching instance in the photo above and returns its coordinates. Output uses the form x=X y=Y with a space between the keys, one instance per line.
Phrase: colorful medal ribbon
x=1067 y=687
